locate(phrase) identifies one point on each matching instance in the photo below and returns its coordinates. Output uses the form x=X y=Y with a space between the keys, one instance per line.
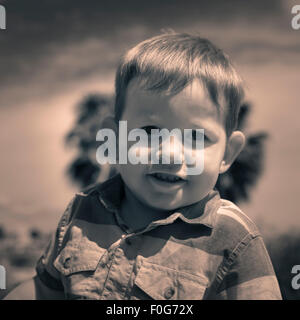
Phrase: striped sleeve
x=248 y=273
x=48 y=277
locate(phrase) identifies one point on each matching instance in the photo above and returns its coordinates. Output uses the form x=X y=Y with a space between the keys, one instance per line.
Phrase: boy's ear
x=234 y=146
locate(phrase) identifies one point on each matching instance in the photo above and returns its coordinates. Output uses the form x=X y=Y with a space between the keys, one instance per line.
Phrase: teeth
x=166 y=177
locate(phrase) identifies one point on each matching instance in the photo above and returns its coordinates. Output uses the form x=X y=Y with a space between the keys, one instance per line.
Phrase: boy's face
x=189 y=109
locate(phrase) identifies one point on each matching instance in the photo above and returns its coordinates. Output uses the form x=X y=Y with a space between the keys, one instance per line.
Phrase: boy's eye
x=199 y=136
x=149 y=128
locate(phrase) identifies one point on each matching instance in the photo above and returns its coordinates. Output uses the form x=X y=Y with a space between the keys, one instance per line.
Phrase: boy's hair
x=169 y=62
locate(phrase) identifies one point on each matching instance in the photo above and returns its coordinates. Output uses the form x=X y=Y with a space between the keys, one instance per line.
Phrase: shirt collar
x=203 y=212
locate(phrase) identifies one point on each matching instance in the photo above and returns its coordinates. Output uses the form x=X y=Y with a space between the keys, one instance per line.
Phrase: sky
x=53 y=53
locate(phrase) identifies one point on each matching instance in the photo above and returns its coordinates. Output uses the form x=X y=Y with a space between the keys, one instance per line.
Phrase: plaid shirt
x=208 y=250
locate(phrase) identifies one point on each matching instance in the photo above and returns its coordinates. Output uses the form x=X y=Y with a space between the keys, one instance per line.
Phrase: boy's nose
x=170 y=152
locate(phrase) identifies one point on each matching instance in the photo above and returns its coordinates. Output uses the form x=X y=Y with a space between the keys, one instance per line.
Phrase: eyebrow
x=207 y=127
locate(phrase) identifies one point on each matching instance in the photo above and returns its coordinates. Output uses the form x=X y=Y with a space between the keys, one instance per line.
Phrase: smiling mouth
x=165 y=177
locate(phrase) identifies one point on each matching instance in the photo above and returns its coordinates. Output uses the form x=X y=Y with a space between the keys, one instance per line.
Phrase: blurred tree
x=84 y=169
x=234 y=185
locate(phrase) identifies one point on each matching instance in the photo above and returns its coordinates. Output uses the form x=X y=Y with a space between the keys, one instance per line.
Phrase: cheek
x=213 y=156
x=132 y=176
x=130 y=171
x=202 y=184
x=212 y=161
x=138 y=150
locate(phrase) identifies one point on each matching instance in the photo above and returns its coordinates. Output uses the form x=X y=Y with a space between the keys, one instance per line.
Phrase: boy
x=153 y=231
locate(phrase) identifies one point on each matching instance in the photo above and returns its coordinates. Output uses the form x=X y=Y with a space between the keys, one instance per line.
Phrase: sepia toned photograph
x=149 y=151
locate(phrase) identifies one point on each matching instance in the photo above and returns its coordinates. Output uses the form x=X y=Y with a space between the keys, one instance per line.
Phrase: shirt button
x=169 y=292
x=67 y=262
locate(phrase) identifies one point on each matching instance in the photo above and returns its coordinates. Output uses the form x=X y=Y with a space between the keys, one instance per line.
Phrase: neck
x=136 y=214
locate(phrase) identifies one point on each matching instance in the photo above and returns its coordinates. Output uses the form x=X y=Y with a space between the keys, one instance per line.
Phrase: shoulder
x=84 y=210
x=83 y=205
x=233 y=227
x=231 y=216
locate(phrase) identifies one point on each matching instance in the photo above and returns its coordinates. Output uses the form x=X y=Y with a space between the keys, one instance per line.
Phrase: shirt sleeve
x=249 y=273
x=47 y=279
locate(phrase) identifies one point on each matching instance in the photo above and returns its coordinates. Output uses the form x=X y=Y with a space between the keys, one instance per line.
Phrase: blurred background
x=57 y=65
